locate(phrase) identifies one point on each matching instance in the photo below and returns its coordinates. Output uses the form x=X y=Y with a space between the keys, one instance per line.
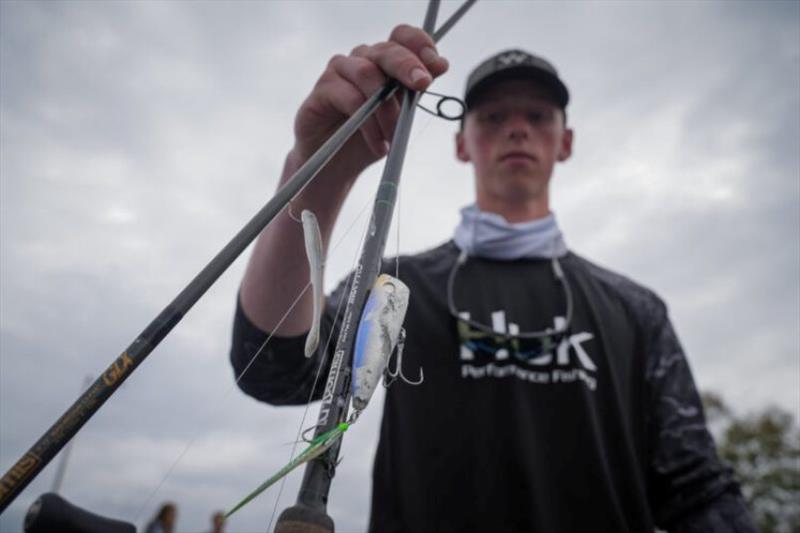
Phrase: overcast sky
x=137 y=138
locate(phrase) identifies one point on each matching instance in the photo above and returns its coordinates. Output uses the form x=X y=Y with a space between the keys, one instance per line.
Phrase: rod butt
x=303 y=519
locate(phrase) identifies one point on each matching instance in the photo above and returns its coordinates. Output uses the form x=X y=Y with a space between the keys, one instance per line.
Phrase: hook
x=353 y=417
x=333 y=465
x=398 y=371
x=292 y=215
x=303 y=434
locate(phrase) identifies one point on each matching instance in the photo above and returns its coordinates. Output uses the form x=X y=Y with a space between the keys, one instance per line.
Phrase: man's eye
x=536 y=117
x=495 y=117
x=541 y=116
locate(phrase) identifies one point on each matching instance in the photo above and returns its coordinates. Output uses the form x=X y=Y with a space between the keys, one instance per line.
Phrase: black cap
x=515 y=64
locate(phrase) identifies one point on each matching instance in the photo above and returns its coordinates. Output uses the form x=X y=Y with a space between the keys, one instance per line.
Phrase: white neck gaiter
x=489 y=235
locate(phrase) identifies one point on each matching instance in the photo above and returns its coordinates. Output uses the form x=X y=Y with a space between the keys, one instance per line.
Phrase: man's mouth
x=517 y=156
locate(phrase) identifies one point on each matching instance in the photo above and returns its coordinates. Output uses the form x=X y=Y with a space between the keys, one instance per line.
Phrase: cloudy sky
x=137 y=138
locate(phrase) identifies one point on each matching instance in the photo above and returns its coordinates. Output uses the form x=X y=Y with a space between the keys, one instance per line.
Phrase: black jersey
x=601 y=430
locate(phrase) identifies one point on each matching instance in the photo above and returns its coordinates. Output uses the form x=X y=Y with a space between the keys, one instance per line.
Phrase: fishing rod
x=58 y=480
x=33 y=461
x=309 y=512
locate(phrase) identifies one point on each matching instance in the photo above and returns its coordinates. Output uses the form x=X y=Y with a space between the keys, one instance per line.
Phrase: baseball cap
x=515 y=64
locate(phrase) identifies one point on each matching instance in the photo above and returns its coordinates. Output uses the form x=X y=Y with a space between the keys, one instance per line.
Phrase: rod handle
x=50 y=512
x=301 y=518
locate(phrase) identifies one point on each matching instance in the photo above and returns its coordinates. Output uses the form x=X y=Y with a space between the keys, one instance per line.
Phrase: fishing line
x=416 y=136
x=397 y=250
x=322 y=359
x=221 y=402
x=302 y=292
x=282 y=485
x=337 y=315
x=220 y=405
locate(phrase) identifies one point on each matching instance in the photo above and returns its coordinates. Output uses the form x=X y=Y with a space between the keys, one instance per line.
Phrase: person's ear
x=461 y=151
x=565 y=150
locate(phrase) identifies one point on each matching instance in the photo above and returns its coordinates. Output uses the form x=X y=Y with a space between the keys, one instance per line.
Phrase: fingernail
x=419 y=74
x=428 y=54
x=386 y=147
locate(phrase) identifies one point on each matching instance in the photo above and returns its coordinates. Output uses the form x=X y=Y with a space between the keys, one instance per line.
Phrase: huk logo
x=538 y=361
x=512 y=58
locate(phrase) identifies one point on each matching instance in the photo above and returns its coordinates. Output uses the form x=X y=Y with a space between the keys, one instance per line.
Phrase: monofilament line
x=221 y=403
x=321 y=365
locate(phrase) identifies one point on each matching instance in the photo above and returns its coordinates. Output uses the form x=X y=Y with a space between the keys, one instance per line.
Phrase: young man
x=582 y=416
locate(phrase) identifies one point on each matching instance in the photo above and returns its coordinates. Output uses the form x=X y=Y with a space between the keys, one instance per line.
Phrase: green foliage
x=764 y=450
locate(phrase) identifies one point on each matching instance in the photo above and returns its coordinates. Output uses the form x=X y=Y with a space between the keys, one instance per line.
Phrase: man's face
x=513 y=136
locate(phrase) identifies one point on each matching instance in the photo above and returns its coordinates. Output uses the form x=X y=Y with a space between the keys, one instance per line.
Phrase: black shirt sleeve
x=692 y=490
x=274 y=369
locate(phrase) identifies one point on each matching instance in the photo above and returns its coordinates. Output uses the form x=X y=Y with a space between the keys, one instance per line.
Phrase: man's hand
x=409 y=56
x=278 y=271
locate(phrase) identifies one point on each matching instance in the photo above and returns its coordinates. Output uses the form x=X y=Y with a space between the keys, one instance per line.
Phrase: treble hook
x=390 y=375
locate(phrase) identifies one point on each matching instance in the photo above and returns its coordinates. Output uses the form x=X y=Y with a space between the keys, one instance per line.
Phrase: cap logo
x=510 y=59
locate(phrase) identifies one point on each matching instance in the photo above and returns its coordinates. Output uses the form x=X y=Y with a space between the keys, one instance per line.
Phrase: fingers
x=368 y=78
x=422 y=45
x=345 y=98
x=409 y=56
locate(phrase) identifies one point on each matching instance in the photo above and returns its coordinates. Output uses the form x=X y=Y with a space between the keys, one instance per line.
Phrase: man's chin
x=521 y=193
x=516 y=184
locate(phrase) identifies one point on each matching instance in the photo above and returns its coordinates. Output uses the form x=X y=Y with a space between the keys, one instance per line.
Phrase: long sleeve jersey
x=601 y=431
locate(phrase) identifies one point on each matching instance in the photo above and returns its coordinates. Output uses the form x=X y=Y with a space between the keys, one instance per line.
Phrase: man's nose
x=518 y=127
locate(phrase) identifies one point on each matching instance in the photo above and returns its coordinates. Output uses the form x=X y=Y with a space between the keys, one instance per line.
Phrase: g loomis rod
x=53 y=440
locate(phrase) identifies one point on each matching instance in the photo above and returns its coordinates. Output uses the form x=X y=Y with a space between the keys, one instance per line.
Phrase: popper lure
x=378 y=333
x=380 y=329
x=313 y=242
x=377 y=336
x=315 y=448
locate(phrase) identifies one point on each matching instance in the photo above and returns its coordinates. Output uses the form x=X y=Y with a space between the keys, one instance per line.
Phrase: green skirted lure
x=316 y=447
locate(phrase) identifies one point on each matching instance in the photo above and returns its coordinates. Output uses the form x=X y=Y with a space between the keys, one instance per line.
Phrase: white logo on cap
x=512 y=58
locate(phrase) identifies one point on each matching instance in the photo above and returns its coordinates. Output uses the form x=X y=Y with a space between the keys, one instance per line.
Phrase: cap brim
x=523 y=72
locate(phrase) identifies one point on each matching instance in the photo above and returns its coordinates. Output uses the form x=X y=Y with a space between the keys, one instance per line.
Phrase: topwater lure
x=378 y=333
x=377 y=336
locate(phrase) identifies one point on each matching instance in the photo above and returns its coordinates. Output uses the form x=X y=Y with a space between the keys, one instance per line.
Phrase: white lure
x=377 y=336
x=313 y=242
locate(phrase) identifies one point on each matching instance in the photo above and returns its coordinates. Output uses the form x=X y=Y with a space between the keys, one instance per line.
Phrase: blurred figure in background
x=164 y=521
x=218 y=522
